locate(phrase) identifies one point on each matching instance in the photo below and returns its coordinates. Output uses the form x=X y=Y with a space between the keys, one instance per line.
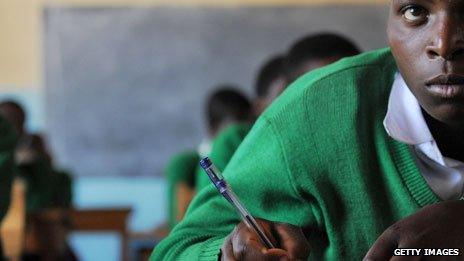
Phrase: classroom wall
x=21 y=31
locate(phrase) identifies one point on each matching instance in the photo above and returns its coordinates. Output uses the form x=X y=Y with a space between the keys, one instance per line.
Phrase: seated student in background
x=8 y=137
x=46 y=188
x=306 y=54
x=269 y=85
x=354 y=160
x=224 y=106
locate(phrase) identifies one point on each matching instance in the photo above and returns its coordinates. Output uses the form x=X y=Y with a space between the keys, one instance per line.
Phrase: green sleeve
x=39 y=184
x=62 y=189
x=224 y=147
x=180 y=169
x=257 y=172
x=7 y=144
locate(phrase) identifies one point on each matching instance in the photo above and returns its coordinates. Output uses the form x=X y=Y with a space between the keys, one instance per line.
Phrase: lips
x=447 y=86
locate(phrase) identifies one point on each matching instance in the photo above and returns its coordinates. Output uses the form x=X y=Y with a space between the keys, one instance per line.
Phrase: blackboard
x=125 y=86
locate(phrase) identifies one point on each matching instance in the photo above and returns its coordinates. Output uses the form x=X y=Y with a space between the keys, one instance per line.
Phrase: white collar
x=404 y=120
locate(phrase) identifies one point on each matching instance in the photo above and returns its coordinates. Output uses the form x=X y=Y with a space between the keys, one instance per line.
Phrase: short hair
x=270 y=71
x=227 y=104
x=315 y=47
x=8 y=107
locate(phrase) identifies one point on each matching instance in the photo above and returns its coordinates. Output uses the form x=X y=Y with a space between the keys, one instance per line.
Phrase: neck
x=450 y=139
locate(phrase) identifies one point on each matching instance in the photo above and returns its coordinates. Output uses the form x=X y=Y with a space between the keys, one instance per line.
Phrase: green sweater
x=46 y=186
x=180 y=169
x=39 y=184
x=318 y=158
x=224 y=147
x=62 y=189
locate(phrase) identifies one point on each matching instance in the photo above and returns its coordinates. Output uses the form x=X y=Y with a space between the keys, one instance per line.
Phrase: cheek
x=407 y=48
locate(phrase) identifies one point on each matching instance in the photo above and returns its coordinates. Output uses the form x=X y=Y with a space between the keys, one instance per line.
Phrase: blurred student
x=308 y=53
x=225 y=106
x=8 y=137
x=269 y=84
x=46 y=188
x=315 y=51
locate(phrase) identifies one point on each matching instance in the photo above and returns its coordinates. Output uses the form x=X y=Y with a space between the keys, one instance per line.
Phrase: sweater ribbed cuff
x=210 y=249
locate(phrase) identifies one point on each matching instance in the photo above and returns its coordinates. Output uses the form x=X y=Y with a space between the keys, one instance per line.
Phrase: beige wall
x=20 y=31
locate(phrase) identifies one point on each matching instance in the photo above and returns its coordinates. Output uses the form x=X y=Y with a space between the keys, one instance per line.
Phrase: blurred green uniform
x=180 y=169
x=46 y=187
x=224 y=146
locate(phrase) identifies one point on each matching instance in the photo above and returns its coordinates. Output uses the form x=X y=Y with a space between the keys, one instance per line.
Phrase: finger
x=383 y=247
x=247 y=245
x=276 y=254
x=293 y=241
x=227 y=254
x=248 y=249
x=266 y=226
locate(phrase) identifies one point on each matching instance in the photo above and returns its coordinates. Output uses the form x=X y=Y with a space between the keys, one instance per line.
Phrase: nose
x=447 y=40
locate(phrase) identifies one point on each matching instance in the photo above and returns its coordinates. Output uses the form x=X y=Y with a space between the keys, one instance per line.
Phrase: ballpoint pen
x=221 y=185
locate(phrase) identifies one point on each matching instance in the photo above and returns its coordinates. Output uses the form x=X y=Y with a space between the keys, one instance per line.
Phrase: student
x=46 y=186
x=325 y=172
x=8 y=137
x=306 y=54
x=315 y=51
x=269 y=84
x=225 y=106
x=38 y=192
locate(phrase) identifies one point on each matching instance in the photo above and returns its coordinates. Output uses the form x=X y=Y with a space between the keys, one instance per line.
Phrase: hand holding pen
x=249 y=241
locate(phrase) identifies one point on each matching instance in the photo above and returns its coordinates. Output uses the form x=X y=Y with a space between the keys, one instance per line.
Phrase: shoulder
x=63 y=175
x=183 y=160
x=235 y=130
x=345 y=83
x=232 y=135
x=185 y=156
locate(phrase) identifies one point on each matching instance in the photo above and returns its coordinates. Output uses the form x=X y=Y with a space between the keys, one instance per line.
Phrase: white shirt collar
x=404 y=120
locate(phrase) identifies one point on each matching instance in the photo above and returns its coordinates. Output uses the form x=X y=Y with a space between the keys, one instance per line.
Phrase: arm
x=259 y=175
x=184 y=195
x=180 y=174
x=7 y=144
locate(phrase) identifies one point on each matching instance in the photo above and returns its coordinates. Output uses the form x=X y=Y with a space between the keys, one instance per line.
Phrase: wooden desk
x=98 y=220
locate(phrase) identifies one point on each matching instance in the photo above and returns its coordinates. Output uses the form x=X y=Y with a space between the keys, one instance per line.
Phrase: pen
x=219 y=182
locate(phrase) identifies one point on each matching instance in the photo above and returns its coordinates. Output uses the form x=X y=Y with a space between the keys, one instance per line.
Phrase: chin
x=450 y=114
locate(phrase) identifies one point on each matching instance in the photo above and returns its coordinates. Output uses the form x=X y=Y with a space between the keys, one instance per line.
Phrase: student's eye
x=414 y=14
